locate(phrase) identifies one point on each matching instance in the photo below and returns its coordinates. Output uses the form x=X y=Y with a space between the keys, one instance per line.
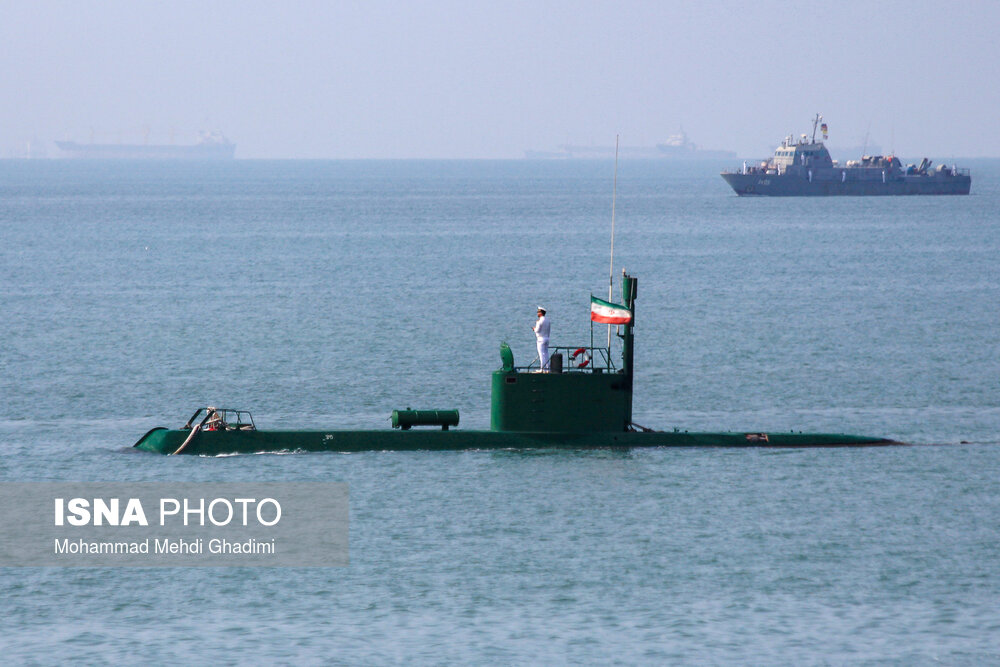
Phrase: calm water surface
x=326 y=294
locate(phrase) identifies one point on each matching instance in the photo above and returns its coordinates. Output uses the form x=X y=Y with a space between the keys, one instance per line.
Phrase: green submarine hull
x=584 y=406
x=221 y=443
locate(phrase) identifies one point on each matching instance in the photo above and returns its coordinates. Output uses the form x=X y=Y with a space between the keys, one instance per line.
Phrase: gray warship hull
x=844 y=183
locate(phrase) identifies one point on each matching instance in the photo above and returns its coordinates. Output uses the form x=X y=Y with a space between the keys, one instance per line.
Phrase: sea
x=325 y=294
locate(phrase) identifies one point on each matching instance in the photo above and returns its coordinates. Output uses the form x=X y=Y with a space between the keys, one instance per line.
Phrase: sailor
x=541 y=330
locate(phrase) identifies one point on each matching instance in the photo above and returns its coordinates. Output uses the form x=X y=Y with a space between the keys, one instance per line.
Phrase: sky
x=471 y=79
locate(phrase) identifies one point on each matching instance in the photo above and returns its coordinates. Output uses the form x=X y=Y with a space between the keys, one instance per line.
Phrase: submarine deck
x=215 y=443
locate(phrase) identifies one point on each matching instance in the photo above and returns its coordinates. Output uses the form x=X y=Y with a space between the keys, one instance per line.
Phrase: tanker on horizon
x=210 y=146
x=676 y=147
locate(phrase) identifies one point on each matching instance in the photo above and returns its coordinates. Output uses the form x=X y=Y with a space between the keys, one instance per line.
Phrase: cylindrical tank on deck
x=404 y=419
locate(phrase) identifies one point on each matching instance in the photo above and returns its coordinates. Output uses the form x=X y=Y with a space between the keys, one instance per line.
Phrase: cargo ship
x=211 y=146
x=676 y=147
x=583 y=400
x=804 y=168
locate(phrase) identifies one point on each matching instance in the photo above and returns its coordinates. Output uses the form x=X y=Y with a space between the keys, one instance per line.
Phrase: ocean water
x=326 y=294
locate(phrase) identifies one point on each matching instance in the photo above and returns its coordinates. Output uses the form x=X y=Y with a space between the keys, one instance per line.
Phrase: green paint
x=215 y=443
x=570 y=402
x=506 y=357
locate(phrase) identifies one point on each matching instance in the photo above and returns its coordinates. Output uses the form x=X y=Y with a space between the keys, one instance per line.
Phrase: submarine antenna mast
x=611 y=271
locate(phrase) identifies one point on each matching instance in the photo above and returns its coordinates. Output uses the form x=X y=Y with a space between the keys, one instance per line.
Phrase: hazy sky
x=473 y=79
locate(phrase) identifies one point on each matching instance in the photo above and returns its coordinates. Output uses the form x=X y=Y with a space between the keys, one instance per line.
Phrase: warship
x=211 y=146
x=804 y=168
x=584 y=400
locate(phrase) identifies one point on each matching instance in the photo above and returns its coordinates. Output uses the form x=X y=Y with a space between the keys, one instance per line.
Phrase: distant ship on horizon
x=676 y=147
x=211 y=146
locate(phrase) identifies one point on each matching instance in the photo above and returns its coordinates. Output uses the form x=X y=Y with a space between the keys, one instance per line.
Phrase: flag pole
x=592 y=355
x=611 y=271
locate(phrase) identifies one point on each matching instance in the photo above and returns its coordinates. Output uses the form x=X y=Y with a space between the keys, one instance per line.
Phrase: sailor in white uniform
x=541 y=330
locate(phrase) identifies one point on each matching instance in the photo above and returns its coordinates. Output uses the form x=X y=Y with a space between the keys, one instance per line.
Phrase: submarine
x=583 y=401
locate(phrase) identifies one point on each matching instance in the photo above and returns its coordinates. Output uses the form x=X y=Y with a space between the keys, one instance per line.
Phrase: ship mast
x=816 y=121
x=611 y=271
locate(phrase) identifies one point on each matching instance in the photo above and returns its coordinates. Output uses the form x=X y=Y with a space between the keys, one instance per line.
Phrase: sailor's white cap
x=543 y=309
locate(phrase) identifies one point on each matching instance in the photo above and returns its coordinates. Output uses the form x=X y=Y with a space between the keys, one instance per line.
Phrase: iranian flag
x=608 y=313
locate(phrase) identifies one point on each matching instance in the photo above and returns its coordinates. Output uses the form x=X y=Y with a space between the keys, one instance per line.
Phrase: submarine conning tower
x=584 y=392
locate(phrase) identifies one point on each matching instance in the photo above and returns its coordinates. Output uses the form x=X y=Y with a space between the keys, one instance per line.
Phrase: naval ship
x=211 y=146
x=804 y=168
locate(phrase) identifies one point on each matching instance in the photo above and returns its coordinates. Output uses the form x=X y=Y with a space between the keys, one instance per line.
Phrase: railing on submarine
x=575 y=359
